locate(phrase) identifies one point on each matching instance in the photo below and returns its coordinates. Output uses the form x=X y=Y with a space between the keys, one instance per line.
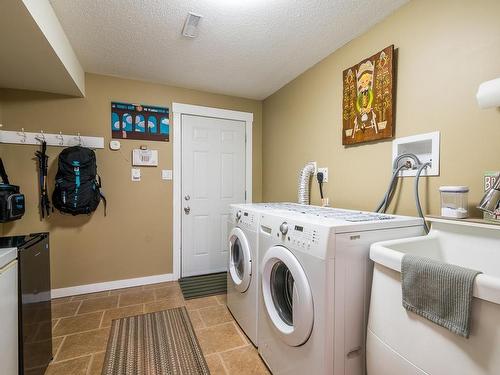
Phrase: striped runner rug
x=203 y=285
x=160 y=343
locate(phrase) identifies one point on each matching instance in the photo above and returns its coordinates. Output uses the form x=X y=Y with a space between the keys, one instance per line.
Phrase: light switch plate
x=135 y=174
x=166 y=174
x=325 y=173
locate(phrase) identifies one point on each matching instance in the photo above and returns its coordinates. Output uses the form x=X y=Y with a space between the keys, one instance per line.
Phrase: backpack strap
x=76 y=171
x=3 y=174
x=103 y=197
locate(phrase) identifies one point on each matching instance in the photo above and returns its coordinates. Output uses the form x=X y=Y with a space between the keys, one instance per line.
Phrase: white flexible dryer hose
x=304 y=181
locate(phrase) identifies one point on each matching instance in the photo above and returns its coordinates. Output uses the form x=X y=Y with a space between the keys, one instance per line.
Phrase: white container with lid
x=454 y=201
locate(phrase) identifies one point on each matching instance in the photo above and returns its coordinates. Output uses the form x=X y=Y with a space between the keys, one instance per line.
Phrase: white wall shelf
x=61 y=140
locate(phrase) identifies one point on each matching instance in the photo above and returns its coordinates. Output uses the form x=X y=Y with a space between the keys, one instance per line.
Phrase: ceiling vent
x=190 y=28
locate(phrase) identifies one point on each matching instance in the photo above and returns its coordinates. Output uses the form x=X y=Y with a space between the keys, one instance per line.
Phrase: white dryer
x=315 y=287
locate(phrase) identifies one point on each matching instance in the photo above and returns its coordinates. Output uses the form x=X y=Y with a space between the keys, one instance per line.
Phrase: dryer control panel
x=295 y=233
x=303 y=236
x=246 y=219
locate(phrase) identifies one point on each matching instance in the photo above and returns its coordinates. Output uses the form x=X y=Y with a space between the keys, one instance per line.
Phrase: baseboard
x=110 y=285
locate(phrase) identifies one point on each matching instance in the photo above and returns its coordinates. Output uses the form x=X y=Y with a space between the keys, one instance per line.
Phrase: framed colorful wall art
x=368 y=99
x=139 y=121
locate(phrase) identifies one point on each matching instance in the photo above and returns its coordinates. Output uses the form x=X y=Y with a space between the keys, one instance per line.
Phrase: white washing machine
x=242 y=276
x=243 y=270
x=315 y=287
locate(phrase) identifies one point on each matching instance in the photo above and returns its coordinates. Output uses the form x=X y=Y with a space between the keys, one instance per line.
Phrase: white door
x=213 y=177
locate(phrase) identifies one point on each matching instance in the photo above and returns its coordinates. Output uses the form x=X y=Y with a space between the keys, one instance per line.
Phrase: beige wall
x=135 y=239
x=446 y=49
x=1 y=155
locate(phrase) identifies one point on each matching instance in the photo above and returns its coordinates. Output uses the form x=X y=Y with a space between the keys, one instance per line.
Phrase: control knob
x=284 y=228
x=238 y=215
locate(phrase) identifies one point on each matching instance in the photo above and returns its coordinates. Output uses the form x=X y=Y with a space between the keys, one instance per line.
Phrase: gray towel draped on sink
x=439 y=292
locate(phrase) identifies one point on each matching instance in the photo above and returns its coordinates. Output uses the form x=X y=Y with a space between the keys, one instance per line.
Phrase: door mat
x=160 y=343
x=203 y=285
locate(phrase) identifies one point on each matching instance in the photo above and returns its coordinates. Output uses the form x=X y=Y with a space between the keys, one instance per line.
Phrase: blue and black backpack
x=78 y=186
x=12 y=203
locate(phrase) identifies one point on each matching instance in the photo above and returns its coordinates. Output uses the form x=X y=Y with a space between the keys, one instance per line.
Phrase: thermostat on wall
x=114 y=145
x=148 y=158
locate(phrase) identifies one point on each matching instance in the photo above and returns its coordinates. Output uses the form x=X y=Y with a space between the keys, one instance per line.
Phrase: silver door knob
x=187 y=197
x=284 y=228
x=187 y=210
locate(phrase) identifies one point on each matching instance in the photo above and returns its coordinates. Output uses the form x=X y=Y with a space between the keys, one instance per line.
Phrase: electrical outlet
x=325 y=173
x=315 y=167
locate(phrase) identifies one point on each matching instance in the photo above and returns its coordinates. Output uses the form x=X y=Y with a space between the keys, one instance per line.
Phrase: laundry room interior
x=250 y=187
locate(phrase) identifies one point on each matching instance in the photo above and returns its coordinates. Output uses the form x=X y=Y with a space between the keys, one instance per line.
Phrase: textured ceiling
x=247 y=48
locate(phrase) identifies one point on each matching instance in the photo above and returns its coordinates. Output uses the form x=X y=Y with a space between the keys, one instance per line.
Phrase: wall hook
x=41 y=137
x=61 y=139
x=23 y=135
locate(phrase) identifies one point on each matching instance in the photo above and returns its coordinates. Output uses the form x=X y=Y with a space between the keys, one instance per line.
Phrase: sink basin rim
x=486 y=287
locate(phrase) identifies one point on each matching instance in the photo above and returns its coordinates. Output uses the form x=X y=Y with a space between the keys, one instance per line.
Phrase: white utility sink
x=400 y=342
x=463 y=243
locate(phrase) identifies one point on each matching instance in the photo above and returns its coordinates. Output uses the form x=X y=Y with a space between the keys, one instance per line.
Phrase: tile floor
x=81 y=326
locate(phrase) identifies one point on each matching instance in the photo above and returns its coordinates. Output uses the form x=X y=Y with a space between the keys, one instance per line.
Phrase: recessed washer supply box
x=424 y=146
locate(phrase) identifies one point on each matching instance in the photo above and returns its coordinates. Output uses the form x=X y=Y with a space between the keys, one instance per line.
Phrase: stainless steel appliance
x=491 y=199
x=35 y=315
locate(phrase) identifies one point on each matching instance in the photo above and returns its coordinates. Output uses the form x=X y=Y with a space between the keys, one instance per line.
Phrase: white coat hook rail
x=59 y=139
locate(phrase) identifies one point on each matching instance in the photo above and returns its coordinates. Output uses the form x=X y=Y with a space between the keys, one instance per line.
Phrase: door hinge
x=245 y=195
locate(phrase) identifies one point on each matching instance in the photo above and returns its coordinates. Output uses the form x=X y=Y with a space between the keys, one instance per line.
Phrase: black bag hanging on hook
x=12 y=202
x=43 y=162
x=78 y=186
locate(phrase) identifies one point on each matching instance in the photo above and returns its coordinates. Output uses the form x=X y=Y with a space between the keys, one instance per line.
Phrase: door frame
x=179 y=109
